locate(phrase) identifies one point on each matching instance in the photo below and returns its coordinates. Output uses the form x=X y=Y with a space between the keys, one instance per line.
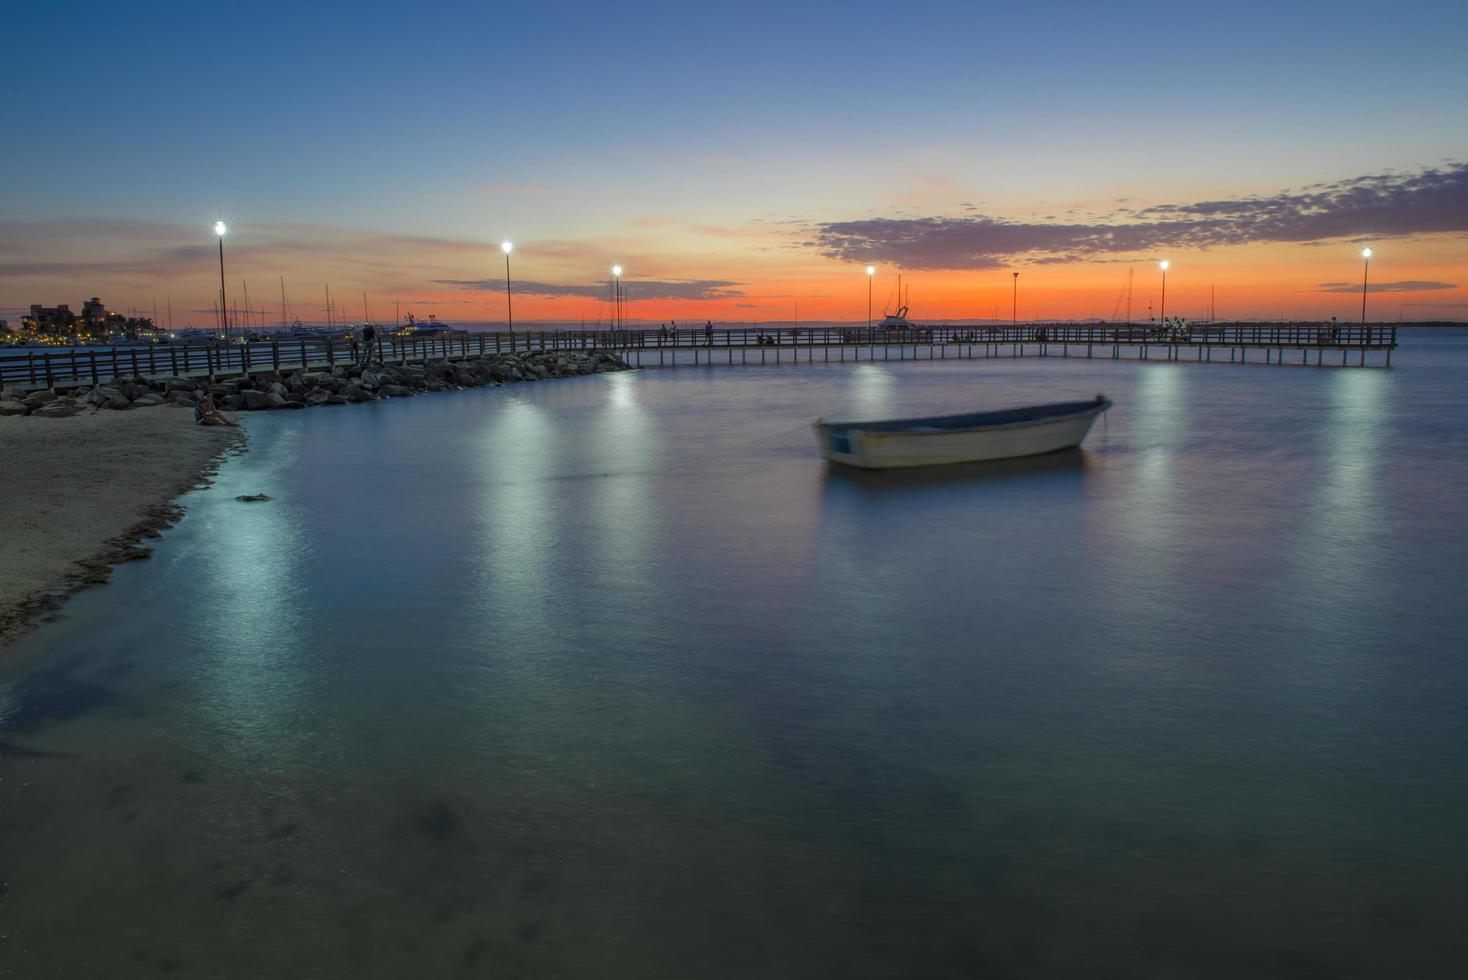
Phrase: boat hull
x=886 y=448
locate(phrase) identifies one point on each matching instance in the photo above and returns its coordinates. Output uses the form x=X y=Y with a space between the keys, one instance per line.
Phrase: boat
x=959 y=438
x=897 y=320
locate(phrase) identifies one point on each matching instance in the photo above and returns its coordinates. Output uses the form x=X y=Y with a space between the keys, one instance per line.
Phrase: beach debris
x=251 y=498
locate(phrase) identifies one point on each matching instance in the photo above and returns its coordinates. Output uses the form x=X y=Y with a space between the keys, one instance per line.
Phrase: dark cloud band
x=1379 y=205
x=700 y=289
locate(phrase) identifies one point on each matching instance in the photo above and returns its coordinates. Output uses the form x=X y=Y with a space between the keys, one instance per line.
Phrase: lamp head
x=220 y=228
x=1163 y=265
x=508 y=247
x=871 y=270
x=616 y=270
x=1366 y=253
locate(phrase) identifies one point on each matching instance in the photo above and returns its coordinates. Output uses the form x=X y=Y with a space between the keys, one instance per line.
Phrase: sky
x=741 y=162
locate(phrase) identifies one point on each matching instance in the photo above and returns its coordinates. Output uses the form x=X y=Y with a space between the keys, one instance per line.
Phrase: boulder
x=394 y=391
x=117 y=403
x=177 y=384
x=232 y=403
x=57 y=410
x=12 y=406
x=37 y=398
x=147 y=401
x=274 y=399
x=257 y=399
x=356 y=393
x=184 y=398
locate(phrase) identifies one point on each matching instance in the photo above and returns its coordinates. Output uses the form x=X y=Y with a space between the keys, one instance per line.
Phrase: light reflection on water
x=611 y=676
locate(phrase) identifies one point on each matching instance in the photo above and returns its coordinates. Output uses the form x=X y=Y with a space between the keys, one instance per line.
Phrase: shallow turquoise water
x=612 y=677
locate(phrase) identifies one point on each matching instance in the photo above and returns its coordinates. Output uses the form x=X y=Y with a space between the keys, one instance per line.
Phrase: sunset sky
x=741 y=161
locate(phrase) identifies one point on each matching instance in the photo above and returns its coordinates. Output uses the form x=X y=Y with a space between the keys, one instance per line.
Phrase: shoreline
x=94 y=471
x=84 y=493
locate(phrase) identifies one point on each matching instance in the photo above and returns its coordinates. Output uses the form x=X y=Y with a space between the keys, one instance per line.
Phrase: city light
x=1366 y=253
x=220 y=228
x=508 y=247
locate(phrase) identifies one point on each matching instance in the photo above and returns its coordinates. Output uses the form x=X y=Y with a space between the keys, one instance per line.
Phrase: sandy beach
x=81 y=492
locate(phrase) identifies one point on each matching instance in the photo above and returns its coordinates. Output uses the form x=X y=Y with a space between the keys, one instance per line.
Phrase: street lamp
x=509 y=302
x=871 y=271
x=1365 y=271
x=617 y=294
x=1163 y=266
x=1014 y=303
x=219 y=229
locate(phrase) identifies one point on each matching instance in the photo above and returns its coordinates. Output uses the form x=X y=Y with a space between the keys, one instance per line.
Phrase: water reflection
x=564 y=675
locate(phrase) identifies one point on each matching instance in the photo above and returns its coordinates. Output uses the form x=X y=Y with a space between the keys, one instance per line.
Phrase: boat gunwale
x=914 y=426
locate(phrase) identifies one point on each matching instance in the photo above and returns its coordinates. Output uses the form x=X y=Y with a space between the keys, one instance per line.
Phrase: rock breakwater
x=339 y=385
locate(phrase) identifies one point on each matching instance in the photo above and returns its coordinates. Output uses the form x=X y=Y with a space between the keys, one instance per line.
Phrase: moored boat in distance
x=969 y=438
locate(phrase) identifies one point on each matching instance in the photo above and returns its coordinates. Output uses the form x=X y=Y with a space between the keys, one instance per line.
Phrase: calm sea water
x=612 y=677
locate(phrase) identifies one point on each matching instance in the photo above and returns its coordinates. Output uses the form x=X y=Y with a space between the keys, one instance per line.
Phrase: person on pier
x=369 y=334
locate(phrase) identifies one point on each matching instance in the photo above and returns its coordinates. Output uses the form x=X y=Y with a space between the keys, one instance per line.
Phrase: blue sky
x=595 y=122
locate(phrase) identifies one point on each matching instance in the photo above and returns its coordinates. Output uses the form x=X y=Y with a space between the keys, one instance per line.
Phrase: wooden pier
x=1236 y=343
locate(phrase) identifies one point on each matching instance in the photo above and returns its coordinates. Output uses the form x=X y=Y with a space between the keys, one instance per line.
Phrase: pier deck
x=1301 y=345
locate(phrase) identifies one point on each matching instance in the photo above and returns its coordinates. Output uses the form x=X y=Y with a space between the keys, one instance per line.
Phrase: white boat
x=959 y=438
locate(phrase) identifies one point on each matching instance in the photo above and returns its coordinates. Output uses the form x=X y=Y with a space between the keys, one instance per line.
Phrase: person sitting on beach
x=205 y=413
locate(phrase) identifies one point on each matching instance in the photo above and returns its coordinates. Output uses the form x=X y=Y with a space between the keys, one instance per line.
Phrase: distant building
x=49 y=319
x=94 y=314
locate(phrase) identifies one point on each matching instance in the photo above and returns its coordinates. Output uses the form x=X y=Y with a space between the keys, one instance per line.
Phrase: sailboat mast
x=329 y=322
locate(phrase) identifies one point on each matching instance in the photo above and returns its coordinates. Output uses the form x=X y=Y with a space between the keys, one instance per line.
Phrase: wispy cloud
x=1402 y=286
x=1377 y=205
x=698 y=289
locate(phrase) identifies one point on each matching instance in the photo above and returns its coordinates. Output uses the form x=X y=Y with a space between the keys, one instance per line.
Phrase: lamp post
x=617 y=294
x=219 y=229
x=871 y=271
x=1365 y=271
x=509 y=301
x=1163 y=266
x=1014 y=303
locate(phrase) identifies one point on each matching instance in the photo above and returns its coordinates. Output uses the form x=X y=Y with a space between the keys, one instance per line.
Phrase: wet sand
x=78 y=495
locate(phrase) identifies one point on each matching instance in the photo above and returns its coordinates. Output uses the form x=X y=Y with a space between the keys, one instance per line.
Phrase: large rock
x=117 y=402
x=184 y=398
x=356 y=393
x=177 y=384
x=394 y=391
x=147 y=401
x=12 y=406
x=37 y=398
x=258 y=399
x=57 y=410
x=232 y=403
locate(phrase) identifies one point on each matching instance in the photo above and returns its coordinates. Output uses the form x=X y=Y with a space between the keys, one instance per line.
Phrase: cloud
x=1402 y=286
x=1378 y=205
x=698 y=289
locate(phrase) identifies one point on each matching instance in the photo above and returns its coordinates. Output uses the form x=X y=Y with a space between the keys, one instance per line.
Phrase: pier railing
x=37 y=367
